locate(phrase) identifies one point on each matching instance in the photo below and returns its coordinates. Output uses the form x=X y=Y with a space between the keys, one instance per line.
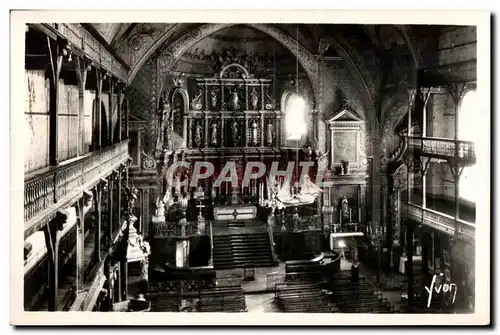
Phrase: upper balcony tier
x=56 y=187
x=443 y=148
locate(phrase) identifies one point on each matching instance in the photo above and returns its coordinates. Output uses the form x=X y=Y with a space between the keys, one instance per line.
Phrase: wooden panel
x=36 y=121
x=68 y=120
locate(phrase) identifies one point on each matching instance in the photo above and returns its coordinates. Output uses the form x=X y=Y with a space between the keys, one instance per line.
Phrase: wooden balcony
x=54 y=188
x=443 y=148
x=440 y=221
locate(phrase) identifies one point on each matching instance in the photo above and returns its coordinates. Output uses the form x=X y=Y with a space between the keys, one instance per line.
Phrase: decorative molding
x=148 y=162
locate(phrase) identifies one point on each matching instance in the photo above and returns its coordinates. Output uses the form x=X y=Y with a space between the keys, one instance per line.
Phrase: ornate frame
x=345 y=121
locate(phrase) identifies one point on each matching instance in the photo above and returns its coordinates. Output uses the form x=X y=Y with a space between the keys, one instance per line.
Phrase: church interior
x=283 y=168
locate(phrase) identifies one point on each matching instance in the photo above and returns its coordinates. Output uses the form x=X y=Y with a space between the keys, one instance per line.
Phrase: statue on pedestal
x=163 y=132
x=183 y=223
x=270 y=134
x=196 y=102
x=234 y=101
x=345 y=211
x=236 y=133
x=255 y=138
x=198 y=135
x=254 y=98
x=160 y=208
x=213 y=99
x=214 y=140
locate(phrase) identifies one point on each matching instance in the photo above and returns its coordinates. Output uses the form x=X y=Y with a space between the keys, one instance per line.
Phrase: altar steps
x=239 y=250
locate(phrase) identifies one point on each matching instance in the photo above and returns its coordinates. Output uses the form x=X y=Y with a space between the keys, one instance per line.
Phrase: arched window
x=467 y=116
x=295 y=119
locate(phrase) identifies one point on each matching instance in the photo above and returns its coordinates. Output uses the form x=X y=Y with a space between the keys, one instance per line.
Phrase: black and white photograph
x=261 y=168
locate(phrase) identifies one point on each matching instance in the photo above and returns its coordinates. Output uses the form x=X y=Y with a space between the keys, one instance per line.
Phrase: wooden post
x=409 y=262
x=56 y=52
x=119 y=113
x=98 y=143
x=81 y=67
x=119 y=195
x=80 y=247
x=110 y=208
x=50 y=231
x=127 y=114
x=98 y=209
x=111 y=92
x=124 y=279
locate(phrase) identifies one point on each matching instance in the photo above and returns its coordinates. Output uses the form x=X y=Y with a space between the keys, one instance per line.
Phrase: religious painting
x=345 y=145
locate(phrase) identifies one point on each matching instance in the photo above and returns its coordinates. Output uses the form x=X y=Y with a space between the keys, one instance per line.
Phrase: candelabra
x=273 y=203
x=377 y=240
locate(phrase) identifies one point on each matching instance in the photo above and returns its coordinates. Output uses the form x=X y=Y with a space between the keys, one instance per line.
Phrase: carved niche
x=346 y=136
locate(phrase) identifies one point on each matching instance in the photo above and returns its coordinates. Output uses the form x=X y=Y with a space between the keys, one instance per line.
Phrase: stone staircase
x=238 y=250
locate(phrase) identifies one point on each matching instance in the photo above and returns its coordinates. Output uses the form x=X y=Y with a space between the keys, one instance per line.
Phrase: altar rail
x=47 y=191
x=287 y=223
x=444 y=147
x=440 y=221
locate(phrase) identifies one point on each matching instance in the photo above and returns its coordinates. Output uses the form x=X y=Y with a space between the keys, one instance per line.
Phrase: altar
x=235 y=212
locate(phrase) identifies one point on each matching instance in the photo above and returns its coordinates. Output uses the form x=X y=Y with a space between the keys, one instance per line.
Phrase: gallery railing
x=440 y=221
x=443 y=147
x=47 y=191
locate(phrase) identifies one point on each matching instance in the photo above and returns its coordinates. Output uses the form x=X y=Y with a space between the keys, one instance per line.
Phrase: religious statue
x=254 y=98
x=163 y=133
x=132 y=197
x=167 y=199
x=296 y=220
x=160 y=208
x=235 y=132
x=255 y=139
x=196 y=102
x=183 y=223
x=213 y=99
x=270 y=102
x=270 y=134
x=234 y=101
x=345 y=211
x=214 y=140
x=177 y=185
x=198 y=135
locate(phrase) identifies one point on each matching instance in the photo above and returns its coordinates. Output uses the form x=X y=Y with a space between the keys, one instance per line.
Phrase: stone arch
x=393 y=110
x=171 y=53
x=413 y=45
x=241 y=67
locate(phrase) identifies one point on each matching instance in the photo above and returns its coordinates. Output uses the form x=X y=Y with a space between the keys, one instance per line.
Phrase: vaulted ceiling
x=135 y=42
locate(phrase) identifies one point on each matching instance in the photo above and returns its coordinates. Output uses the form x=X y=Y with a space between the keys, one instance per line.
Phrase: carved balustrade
x=440 y=221
x=443 y=147
x=47 y=191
